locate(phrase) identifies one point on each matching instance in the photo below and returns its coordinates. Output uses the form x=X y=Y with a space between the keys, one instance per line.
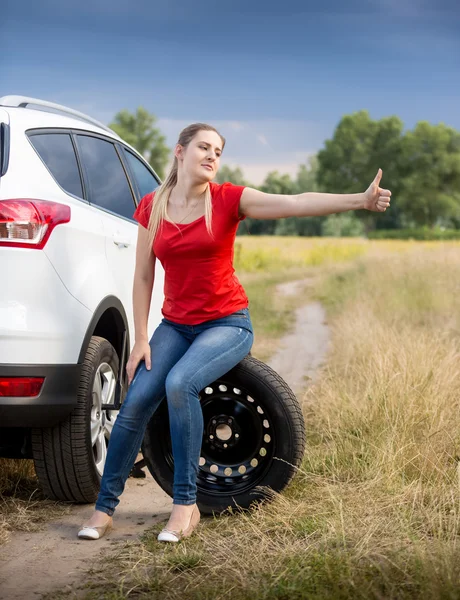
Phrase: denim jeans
x=185 y=359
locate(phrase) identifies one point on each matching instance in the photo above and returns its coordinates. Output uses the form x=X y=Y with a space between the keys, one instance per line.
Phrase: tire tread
x=63 y=454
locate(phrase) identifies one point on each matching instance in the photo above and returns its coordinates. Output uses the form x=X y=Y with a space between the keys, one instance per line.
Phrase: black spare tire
x=253 y=438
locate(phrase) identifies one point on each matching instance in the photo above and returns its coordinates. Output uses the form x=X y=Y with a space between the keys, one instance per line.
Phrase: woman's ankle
x=98 y=518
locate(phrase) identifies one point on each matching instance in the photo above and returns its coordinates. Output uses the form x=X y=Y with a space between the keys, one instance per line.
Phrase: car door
x=109 y=191
x=112 y=187
x=145 y=181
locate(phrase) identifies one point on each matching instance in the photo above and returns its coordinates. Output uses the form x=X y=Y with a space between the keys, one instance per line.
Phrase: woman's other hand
x=140 y=351
x=376 y=198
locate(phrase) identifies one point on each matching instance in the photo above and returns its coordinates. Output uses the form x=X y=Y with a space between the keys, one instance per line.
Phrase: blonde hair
x=158 y=212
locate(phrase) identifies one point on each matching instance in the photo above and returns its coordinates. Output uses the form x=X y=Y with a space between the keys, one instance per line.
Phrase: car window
x=108 y=186
x=57 y=152
x=145 y=180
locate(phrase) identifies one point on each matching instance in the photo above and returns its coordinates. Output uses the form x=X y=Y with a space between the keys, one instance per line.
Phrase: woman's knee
x=134 y=405
x=177 y=389
x=140 y=396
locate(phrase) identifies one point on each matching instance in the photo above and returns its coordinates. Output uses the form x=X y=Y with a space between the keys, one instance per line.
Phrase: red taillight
x=26 y=223
x=18 y=387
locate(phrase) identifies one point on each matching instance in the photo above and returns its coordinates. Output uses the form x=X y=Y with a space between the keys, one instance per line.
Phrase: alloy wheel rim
x=102 y=421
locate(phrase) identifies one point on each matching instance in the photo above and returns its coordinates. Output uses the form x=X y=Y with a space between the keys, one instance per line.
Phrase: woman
x=190 y=224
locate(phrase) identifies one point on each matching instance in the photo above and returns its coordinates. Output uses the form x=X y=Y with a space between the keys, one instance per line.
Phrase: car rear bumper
x=57 y=398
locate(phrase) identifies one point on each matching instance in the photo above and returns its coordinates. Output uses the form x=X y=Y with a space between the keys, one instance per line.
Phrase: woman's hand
x=140 y=351
x=376 y=198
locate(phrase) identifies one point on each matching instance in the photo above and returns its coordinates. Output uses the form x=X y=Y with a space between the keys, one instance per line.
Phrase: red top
x=200 y=281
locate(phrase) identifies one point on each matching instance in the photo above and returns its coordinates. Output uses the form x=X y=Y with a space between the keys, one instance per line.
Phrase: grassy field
x=374 y=511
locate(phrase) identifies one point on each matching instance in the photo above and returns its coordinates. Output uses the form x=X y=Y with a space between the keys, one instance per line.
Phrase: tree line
x=421 y=166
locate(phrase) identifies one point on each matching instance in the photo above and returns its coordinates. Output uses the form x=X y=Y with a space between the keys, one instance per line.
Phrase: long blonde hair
x=158 y=212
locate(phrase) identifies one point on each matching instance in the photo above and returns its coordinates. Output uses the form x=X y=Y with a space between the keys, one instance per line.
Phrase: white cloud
x=104 y=116
x=245 y=140
x=255 y=173
x=396 y=8
x=292 y=142
x=236 y=125
x=263 y=140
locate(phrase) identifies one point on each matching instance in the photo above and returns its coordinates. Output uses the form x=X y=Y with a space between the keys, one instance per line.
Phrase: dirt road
x=32 y=564
x=302 y=351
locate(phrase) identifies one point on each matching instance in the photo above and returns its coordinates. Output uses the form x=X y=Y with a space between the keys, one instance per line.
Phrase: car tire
x=253 y=439
x=69 y=458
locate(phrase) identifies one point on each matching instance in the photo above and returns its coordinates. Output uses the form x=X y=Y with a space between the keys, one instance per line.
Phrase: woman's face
x=201 y=158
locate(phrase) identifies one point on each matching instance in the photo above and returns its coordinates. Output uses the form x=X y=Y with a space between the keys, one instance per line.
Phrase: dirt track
x=302 y=351
x=32 y=564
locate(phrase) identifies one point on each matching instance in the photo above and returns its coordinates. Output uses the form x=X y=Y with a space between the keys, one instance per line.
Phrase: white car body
x=54 y=299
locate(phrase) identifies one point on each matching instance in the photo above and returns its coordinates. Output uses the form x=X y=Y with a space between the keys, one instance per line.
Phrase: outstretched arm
x=259 y=205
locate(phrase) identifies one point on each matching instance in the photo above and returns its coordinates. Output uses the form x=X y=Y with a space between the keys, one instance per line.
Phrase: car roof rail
x=26 y=101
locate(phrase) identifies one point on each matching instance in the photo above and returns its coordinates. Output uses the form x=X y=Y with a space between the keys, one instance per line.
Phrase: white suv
x=68 y=189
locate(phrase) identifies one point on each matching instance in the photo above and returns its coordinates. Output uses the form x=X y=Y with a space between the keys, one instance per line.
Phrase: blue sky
x=274 y=77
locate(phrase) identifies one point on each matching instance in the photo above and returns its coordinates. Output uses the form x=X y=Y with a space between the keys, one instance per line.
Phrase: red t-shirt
x=200 y=281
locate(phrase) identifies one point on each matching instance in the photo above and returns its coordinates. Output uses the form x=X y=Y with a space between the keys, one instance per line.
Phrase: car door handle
x=122 y=243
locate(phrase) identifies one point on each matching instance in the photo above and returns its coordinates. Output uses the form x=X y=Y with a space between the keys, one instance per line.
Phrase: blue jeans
x=185 y=359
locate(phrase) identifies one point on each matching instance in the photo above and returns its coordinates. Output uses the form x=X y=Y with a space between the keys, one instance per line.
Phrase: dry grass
x=374 y=511
x=22 y=505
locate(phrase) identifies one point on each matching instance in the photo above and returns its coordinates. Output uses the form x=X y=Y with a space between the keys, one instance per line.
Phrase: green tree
x=274 y=183
x=350 y=160
x=234 y=176
x=430 y=165
x=139 y=131
x=306 y=179
x=342 y=225
x=305 y=182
